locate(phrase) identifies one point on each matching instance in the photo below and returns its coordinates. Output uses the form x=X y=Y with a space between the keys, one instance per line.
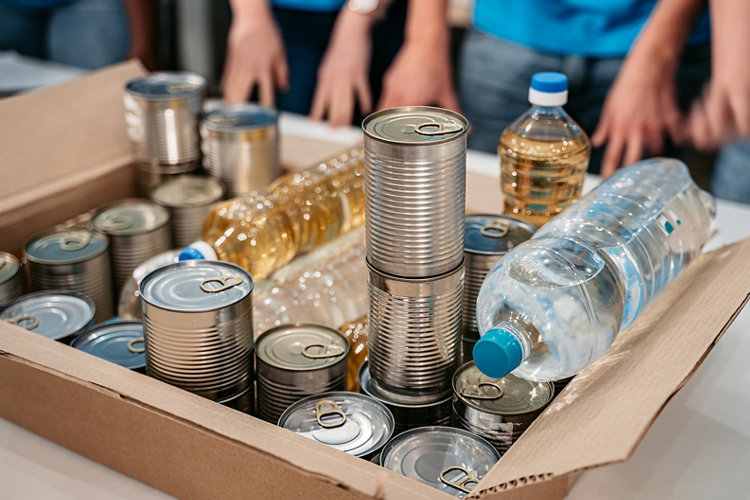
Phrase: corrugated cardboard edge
x=602 y=416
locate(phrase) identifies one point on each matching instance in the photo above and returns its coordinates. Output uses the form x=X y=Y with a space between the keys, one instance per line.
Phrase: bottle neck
x=520 y=332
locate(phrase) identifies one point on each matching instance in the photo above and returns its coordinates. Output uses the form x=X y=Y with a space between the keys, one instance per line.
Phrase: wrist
x=352 y=23
x=249 y=13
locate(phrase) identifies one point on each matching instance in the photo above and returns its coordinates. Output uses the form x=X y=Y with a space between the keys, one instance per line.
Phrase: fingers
x=281 y=73
x=320 y=102
x=599 y=136
x=449 y=100
x=364 y=97
x=740 y=106
x=634 y=149
x=612 y=156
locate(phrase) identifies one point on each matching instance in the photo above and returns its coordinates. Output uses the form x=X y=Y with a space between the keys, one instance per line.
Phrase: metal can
x=488 y=238
x=189 y=199
x=161 y=115
x=240 y=145
x=244 y=402
x=414 y=336
x=138 y=230
x=415 y=187
x=197 y=318
x=353 y=423
x=499 y=410
x=450 y=460
x=54 y=314
x=120 y=342
x=150 y=176
x=10 y=278
x=77 y=260
x=467 y=351
x=296 y=361
x=407 y=413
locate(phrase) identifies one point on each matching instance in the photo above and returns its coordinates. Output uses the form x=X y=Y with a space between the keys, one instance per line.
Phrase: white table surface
x=699 y=447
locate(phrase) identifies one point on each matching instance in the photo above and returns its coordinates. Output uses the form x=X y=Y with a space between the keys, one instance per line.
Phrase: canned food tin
x=353 y=423
x=151 y=176
x=10 y=278
x=407 y=414
x=76 y=260
x=54 y=314
x=241 y=147
x=414 y=337
x=120 y=342
x=451 y=460
x=161 y=114
x=296 y=361
x=243 y=402
x=189 y=199
x=197 y=318
x=138 y=230
x=467 y=350
x=488 y=238
x=415 y=187
x=499 y=410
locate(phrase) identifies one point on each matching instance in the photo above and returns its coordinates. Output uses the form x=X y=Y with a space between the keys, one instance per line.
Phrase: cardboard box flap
x=607 y=409
x=63 y=134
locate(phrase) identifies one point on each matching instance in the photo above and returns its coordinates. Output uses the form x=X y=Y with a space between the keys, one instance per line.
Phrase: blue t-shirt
x=311 y=5
x=589 y=28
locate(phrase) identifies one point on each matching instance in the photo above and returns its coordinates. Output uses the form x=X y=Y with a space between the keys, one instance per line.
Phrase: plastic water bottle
x=554 y=304
x=543 y=154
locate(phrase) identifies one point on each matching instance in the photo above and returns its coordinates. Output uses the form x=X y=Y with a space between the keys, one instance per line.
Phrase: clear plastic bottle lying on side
x=555 y=303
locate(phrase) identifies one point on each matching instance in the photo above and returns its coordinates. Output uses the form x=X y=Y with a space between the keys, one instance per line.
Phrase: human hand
x=255 y=56
x=343 y=73
x=639 y=112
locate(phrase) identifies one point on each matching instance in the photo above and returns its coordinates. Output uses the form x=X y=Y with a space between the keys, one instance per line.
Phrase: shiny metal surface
x=415 y=190
x=414 y=338
x=150 y=176
x=240 y=145
x=161 y=113
x=120 y=342
x=52 y=314
x=10 y=278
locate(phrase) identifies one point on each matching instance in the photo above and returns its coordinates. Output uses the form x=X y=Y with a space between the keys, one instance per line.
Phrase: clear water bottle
x=543 y=154
x=555 y=303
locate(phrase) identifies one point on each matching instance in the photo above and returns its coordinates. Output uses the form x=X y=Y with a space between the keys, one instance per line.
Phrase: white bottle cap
x=548 y=89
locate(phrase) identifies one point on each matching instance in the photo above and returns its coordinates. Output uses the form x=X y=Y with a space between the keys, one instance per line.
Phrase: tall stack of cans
x=162 y=111
x=415 y=169
x=10 y=278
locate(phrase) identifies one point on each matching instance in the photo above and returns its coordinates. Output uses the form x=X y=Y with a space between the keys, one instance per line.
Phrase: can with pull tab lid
x=10 y=278
x=76 y=260
x=52 y=314
x=296 y=361
x=120 y=342
x=197 y=318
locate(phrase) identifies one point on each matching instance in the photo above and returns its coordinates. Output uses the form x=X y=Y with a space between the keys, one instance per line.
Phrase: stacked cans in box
x=415 y=168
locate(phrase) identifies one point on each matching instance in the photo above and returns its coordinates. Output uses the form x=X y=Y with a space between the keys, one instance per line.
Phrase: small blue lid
x=550 y=82
x=190 y=253
x=497 y=353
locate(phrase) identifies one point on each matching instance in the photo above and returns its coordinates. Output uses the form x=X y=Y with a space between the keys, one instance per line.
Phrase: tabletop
x=699 y=447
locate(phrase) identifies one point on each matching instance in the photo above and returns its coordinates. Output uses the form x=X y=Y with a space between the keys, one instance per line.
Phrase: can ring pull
x=2 y=264
x=475 y=391
x=434 y=128
x=75 y=241
x=325 y=353
x=18 y=319
x=329 y=407
x=498 y=228
x=117 y=223
x=136 y=350
x=227 y=281
x=462 y=485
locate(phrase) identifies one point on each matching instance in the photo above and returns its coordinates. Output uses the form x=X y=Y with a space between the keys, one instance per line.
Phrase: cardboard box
x=65 y=152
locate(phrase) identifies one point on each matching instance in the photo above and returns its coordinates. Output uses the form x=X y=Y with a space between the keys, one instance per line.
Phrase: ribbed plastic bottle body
x=587 y=274
x=543 y=155
x=300 y=212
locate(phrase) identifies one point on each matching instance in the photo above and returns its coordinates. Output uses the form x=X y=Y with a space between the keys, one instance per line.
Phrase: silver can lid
x=166 y=85
x=120 y=342
x=495 y=234
x=187 y=191
x=196 y=286
x=65 y=247
x=130 y=217
x=301 y=347
x=509 y=395
x=415 y=125
x=350 y=422
x=451 y=460
x=54 y=315
x=9 y=266
x=240 y=117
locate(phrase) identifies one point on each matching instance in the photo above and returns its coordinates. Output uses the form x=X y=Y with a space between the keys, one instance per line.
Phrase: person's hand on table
x=343 y=73
x=255 y=54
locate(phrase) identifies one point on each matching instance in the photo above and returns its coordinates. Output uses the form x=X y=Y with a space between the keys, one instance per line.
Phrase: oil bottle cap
x=497 y=353
x=548 y=89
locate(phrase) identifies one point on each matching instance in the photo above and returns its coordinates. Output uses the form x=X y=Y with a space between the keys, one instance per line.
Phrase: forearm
x=245 y=12
x=427 y=22
x=730 y=36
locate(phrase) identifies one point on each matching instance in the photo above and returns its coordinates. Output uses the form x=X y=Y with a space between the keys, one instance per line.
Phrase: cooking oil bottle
x=544 y=154
x=300 y=212
x=356 y=332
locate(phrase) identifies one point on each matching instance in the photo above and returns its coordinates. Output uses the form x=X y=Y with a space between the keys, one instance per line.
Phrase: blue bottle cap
x=549 y=82
x=497 y=353
x=190 y=253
